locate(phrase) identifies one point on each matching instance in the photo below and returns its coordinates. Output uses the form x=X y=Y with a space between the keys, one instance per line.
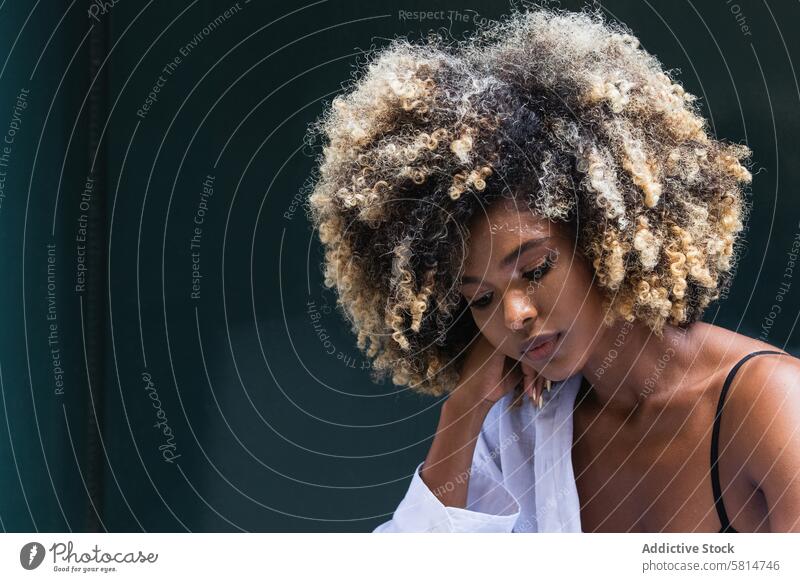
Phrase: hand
x=487 y=375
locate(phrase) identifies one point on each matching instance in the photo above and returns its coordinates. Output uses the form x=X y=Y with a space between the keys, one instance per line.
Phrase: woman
x=538 y=213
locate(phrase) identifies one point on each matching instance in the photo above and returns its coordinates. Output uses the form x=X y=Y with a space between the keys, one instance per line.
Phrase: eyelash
x=534 y=274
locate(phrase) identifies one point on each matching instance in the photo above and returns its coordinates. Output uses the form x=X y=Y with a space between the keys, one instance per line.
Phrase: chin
x=556 y=372
x=563 y=369
x=559 y=366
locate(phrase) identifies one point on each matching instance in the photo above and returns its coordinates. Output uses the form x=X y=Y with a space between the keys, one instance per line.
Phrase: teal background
x=273 y=415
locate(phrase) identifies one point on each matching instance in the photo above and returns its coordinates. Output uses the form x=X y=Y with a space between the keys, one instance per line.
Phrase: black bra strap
x=723 y=516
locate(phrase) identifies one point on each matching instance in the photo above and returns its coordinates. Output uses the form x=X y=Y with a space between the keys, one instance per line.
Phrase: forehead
x=502 y=228
x=509 y=214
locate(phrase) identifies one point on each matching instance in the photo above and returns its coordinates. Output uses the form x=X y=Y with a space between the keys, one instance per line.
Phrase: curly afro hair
x=564 y=111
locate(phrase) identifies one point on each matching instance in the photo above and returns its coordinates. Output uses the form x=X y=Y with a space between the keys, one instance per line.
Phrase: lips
x=540 y=346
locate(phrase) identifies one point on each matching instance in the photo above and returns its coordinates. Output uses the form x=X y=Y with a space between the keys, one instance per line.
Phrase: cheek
x=576 y=299
x=484 y=319
x=587 y=310
x=491 y=325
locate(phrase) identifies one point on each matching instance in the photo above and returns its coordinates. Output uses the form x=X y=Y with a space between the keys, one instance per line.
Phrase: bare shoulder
x=766 y=401
x=778 y=369
x=781 y=370
x=724 y=344
x=766 y=387
x=761 y=414
x=713 y=351
x=762 y=404
x=761 y=382
x=765 y=390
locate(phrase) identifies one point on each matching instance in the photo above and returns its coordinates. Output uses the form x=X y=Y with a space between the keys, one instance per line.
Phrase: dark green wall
x=275 y=424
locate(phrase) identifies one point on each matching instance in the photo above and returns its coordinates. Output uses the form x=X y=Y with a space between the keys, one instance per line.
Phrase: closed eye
x=540 y=271
x=482 y=301
x=535 y=274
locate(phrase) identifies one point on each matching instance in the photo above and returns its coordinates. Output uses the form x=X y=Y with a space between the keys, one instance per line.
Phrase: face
x=524 y=281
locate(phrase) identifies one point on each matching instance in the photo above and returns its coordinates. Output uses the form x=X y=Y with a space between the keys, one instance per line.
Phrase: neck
x=629 y=364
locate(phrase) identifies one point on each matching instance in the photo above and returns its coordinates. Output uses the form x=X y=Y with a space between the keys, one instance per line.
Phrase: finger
x=529 y=375
x=512 y=374
x=528 y=384
x=539 y=387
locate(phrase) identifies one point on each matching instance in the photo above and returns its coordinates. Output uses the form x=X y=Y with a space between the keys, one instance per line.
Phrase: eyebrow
x=510 y=257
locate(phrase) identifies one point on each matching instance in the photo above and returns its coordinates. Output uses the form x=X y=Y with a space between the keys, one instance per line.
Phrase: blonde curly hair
x=562 y=109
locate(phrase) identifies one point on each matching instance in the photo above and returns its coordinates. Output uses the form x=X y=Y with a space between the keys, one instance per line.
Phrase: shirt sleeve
x=490 y=506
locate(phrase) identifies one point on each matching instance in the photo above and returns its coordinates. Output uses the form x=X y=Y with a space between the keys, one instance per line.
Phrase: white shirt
x=522 y=478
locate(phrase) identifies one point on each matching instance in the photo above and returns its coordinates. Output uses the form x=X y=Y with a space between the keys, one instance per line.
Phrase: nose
x=518 y=309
